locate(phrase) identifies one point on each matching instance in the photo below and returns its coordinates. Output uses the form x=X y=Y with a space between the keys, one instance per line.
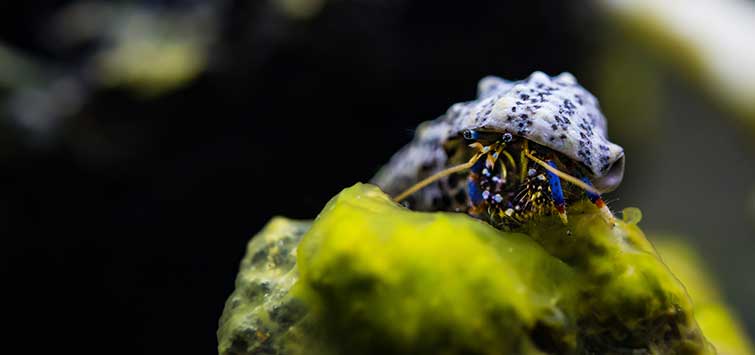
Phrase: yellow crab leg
x=523 y=160
x=510 y=158
x=561 y=174
x=443 y=173
x=490 y=161
x=503 y=170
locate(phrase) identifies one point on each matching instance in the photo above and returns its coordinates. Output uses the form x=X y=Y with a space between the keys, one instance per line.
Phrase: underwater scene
x=331 y=177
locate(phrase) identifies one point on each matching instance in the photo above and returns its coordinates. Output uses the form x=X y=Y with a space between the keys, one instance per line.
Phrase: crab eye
x=470 y=134
x=507 y=137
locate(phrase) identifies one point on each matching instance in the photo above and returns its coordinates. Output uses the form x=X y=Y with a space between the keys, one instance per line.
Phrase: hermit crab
x=522 y=149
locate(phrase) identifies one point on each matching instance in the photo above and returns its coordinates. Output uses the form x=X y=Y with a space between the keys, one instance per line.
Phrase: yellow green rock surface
x=371 y=277
x=261 y=315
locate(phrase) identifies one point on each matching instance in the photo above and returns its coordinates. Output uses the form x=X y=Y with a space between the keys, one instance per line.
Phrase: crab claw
x=605 y=213
x=562 y=214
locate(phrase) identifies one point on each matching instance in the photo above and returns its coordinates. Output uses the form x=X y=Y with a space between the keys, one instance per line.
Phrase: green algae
x=628 y=298
x=386 y=279
x=396 y=281
x=371 y=277
x=261 y=316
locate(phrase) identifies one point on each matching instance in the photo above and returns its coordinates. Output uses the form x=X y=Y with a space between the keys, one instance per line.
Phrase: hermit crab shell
x=555 y=112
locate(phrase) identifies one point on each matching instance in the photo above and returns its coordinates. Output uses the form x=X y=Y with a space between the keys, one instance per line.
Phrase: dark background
x=124 y=221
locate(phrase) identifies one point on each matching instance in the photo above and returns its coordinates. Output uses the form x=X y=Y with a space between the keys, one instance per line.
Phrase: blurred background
x=142 y=143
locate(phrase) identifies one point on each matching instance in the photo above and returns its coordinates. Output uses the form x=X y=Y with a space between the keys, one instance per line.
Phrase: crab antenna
x=510 y=158
x=562 y=174
x=504 y=172
x=525 y=151
x=439 y=175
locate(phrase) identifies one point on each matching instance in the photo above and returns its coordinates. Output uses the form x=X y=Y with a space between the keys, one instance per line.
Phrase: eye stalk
x=475 y=135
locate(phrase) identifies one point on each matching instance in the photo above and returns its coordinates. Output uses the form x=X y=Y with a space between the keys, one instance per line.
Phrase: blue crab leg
x=598 y=201
x=473 y=182
x=483 y=169
x=557 y=193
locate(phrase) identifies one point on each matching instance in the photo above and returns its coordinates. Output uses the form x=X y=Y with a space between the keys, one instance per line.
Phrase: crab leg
x=473 y=187
x=565 y=176
x=598 y=201
x=481 y=150
x=523 y=161
x=557 y=193
x=483 y=169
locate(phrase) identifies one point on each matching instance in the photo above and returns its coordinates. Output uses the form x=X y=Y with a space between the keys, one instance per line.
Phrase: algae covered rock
x=627 y=298
x=372 y=277
x=259 y=316
x=385 y=280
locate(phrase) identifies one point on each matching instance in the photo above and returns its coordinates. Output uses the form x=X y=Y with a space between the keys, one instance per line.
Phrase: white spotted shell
x=555 y=112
